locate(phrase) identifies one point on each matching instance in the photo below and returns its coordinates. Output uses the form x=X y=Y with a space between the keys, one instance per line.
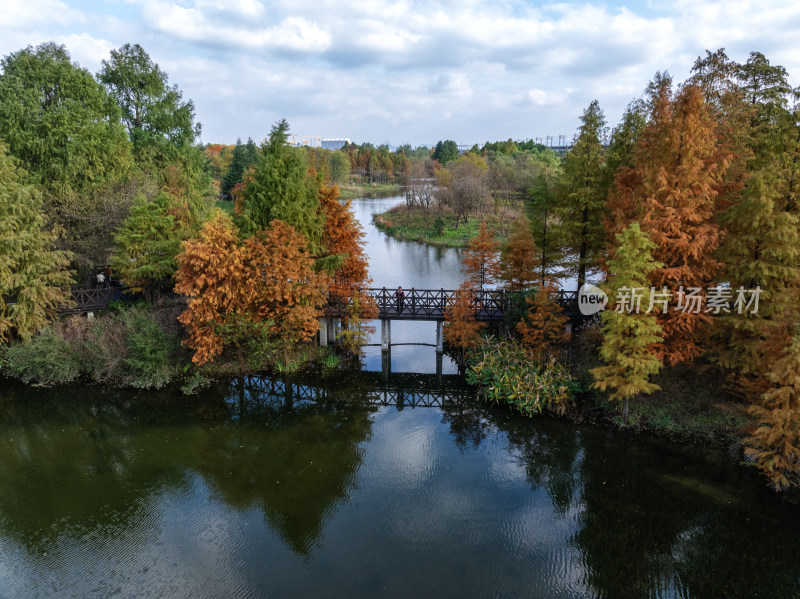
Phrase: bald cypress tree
x=519 y=260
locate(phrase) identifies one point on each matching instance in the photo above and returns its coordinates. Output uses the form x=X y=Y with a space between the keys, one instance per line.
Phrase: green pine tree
x=629 y=336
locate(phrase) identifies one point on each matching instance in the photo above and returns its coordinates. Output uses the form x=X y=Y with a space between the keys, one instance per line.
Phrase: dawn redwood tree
x=775 y=442
x=34 y=280
x=582 y=195
x=629 y=336
x=519 y=260
x=213 y=275
x=348 y=267
x=543 y=328
x=480 y=259
x=286 y=289
x=672 y=192
x=461 y=329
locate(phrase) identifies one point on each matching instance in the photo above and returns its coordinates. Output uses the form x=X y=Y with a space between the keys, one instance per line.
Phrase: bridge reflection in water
x=369 y=389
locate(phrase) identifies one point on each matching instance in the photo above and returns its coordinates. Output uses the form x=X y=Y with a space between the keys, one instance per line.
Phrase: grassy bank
x=365 y=190
x=409 y=224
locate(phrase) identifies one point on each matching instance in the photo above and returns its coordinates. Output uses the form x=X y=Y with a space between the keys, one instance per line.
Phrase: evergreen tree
x=34 y=280
x=583 y=194
x=283 y=189
x=235 y=171
x=445 y=151
x=629 y=336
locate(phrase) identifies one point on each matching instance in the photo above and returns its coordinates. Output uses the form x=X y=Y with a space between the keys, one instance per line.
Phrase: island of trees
x=691 y=200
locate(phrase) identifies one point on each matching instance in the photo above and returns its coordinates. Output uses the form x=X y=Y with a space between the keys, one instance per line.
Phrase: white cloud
x=30 y=13
x=407 y=71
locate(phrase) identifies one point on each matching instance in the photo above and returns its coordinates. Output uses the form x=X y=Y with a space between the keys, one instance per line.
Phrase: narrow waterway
x=331 y=485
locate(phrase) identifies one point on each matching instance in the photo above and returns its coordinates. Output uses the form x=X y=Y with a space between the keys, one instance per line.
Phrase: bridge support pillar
x=323 y=332
x=439 y=338
x=386 y=334
x=439 y=357
x=331 y=330
x=386 y=364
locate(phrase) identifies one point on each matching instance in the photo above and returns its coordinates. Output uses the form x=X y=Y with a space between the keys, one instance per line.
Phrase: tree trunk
x=625 y=406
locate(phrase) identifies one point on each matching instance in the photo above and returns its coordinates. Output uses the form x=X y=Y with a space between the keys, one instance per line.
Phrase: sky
x=407 y=71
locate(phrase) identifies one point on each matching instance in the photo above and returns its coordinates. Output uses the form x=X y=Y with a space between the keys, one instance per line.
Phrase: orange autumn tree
x=212 y=274
x=673 y=193
x=286 y=289
x=461 y=329
x=519 y=260
x=543 y=328
x=480 y=262
x=775 y=442
x=480 y=259
x=264 y=288
x=344 y=248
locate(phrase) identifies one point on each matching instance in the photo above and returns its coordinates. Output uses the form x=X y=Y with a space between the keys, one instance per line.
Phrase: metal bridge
x=416 y=304
x=431 y=304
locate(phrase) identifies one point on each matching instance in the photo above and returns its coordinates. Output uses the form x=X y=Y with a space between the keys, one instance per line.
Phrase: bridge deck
x=416 y=304
x=431 y=304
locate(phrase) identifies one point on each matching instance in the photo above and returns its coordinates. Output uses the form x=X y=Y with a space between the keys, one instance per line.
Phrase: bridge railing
x=431 y=304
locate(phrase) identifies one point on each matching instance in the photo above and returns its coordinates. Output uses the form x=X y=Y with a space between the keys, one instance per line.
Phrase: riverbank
x=352 y=191
x=439 y=229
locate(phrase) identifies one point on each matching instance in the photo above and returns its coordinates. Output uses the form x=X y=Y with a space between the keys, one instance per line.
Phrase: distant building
x=334 y=144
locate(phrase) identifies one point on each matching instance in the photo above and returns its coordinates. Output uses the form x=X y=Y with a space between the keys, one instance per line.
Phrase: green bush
x=505 y=373
x=47 y=359
x=136 y=347
x=151 y=351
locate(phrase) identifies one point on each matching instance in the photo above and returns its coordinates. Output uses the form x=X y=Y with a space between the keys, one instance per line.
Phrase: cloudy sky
x=408 y=71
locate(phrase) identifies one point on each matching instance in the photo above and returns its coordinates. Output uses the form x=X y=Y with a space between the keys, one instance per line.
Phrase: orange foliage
x=673 y=192
x=269 y=278
x=544 y=329
x=480 y=259
x=342 y=236
x=286 y=288
x=212 y=274
x=461 y=329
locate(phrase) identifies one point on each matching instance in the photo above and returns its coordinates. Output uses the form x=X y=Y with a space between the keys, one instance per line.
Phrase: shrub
x=47 y=359
x=506 y=374
x=150 y=362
